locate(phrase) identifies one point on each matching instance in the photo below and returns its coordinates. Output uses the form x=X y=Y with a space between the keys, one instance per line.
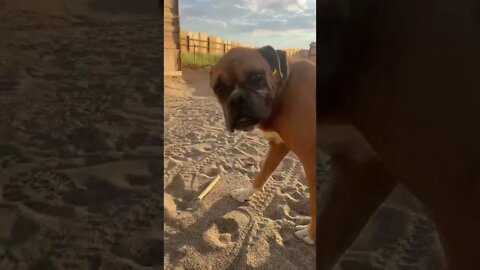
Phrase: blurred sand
x=80 y=138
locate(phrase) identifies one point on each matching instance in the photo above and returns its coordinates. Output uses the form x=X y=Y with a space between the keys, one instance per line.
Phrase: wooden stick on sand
x=208 y=188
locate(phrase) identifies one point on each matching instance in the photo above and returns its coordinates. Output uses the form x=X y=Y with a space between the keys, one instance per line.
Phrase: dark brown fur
x=406 y=74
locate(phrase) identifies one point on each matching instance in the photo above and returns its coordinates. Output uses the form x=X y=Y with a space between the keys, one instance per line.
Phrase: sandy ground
x=221 y=233
x=218 y=232
x=80 y=140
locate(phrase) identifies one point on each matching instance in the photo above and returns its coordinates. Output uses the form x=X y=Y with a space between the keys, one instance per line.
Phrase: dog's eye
x=221 y=90
x=255 y=77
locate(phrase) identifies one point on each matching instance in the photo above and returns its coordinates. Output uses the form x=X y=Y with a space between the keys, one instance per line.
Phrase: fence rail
x=200 y=43
x=206 y=44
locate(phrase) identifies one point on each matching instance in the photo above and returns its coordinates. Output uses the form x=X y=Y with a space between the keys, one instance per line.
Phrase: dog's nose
x=236 y=103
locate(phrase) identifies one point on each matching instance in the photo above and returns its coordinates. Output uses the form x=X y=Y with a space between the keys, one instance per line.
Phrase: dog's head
x=246 y=82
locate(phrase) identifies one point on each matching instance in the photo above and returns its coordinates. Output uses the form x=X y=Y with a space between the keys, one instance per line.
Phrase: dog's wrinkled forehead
x=235 y=65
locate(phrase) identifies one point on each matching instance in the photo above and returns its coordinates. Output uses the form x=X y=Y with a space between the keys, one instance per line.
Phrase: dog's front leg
x=308 y=232
x=355 y=192
x=276 y=153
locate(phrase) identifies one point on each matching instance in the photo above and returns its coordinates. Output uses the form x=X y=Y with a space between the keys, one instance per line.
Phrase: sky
x=279 y=23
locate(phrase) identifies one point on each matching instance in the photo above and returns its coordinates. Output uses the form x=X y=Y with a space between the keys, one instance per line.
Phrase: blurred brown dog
x=406 y=74
x=265 y=89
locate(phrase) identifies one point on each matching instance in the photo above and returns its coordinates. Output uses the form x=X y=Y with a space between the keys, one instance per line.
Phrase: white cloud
x=250 y=19
x=291 y=34
x=274 y=6
x=206 y=21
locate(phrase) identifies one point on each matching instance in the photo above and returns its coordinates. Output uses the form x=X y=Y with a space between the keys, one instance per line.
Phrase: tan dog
x=263 y=88
x=406 y=74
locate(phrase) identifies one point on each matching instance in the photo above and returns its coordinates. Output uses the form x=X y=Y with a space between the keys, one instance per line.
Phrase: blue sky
x=280 y=23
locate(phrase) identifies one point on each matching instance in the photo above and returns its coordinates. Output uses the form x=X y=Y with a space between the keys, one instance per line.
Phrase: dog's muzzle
x=237 y=114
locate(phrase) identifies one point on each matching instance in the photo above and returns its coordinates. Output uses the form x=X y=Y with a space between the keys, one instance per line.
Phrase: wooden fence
x=206 y=44
x=200 y=43
x=291 y=51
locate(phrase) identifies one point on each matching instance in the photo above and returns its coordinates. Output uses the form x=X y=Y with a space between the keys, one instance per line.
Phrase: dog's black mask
x=247 y=99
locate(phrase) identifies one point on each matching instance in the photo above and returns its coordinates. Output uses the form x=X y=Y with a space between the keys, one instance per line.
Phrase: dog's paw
x=242 y=194
x=302 y=232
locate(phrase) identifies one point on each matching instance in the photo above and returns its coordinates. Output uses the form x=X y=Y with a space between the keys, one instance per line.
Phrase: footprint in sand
x=15 y=228
x=14 y=193
x=278 y=209
x=96 y=193
x=277 y=176
x=169 y=205
x=61 y=211
x=178 y=191
x=39 y=192
x=195 y=153
x=145 y=251
x=176 y=186
x=226 y=229
x=88 y=139
x=139 y=180
x=247 y=148
x=191 y=136
x=299 y=207
x=171 y=163
x=211 y=171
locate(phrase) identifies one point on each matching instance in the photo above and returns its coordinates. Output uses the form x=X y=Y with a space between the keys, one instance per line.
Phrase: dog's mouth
x=245 y=124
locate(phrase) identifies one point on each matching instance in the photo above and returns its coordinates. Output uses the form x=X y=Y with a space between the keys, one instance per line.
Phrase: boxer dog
x=264 y=89
x=406 y=76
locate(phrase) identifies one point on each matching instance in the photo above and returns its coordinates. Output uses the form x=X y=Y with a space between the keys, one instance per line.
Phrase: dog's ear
x=277 y=60
x=283 y=65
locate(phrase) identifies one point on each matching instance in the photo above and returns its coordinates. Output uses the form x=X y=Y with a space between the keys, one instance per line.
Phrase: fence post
x=224 y=48
x=208 y=45
x=188 y=43
x=194 y=57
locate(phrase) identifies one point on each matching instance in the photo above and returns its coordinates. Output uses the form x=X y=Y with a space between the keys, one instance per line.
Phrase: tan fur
x=292 y=120
x=272 y=136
